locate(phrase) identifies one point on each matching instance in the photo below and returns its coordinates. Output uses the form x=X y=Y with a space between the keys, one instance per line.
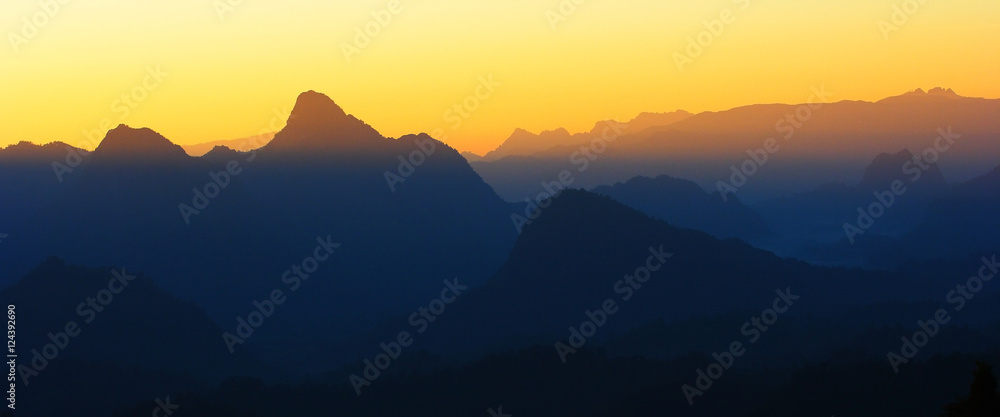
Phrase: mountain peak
x=25 y=151
x=519 y=132
x=934 y=92
x=312 y=107
x=144 y=143
x=523 y=142
x=887 y=168
x=938 y=91
x=317 y=122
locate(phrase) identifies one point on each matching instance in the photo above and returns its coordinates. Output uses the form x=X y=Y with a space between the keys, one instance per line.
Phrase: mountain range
x=817 y=142
x=362 y=237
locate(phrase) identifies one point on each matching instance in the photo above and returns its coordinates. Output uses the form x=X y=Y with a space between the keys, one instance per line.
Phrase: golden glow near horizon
x=199 y=71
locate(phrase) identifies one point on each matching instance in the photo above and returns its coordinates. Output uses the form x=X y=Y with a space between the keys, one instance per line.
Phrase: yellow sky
x=227 y=75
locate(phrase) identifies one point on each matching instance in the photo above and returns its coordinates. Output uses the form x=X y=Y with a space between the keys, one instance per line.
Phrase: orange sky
x=224 y=71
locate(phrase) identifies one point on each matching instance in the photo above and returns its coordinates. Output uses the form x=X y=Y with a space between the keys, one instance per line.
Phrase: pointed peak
x=520 y=132
x=127 y=142
x=944 y=92
x=317 y=123
x=313 y=107
x=934 y=92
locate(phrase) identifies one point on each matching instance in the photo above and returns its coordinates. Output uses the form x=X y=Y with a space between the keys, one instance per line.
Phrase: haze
x=231 y=73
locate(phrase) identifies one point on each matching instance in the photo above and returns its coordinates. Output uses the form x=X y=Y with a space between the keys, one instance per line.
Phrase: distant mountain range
x=523 y=143
x=242 y=144
x=876 y=224
x=829 y=141
x=365 y=235
x=683 y=203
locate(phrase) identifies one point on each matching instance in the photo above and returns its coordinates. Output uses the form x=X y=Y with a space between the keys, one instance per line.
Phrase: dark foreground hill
x=91 y=338
x=222 y=230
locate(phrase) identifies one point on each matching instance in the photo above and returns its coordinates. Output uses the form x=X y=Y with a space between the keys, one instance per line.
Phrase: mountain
x=241 y=144
x=645 y=121
x=33 y=175
x=137 y=145
x=961 y=223
x=73 y=323
x=524 y=143
x=317 y=123
x=920 y=94
x=813 y=225
x=471 y=157
x=221 y=230
x=888 y=168
x=137 y=325
x=813 y=144
x=684 y=204
x=585 y=249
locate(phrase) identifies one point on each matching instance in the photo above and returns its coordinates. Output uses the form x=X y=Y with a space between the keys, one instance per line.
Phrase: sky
x=205 y=70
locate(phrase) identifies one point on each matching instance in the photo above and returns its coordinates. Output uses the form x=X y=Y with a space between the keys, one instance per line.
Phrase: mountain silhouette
x=39 y=174
x=365 y=236
x=807 y=223
x=524 y=143
x=324 y=176
x=141 y=326
x=241 y=144
x=920 y=94
x=316 y=123
x=960 y=223
x=124 y=143
x=471 y=157
x=830 y=141
x=142 y=340
x=684 y=204
x=558 y=270
x=887 y=168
